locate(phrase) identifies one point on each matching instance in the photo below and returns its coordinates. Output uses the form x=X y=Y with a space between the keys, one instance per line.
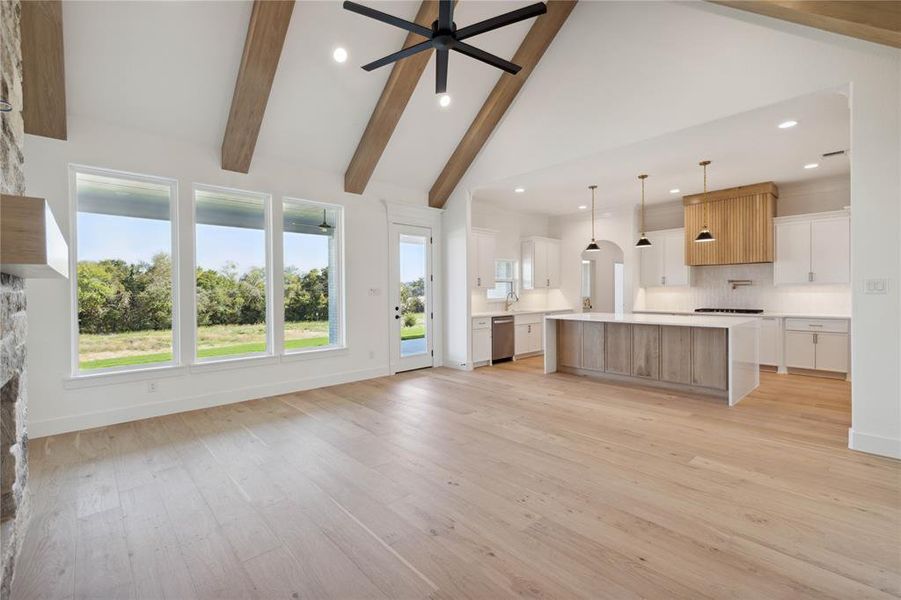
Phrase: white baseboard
x=39 y=429
x=874 y=444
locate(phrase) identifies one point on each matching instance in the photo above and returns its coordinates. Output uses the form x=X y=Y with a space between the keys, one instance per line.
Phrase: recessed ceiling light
x=444 y=100
x=811 y=165
x=674 y=191
x=340 y=55
x=519 y=190
x=582 y=207
x=787 y=124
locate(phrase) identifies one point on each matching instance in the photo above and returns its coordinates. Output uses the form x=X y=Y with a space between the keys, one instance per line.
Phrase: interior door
x=411 y=314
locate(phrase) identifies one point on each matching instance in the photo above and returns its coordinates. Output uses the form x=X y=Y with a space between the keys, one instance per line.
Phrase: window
x=232 y=291
x=504 y=277
x=312 y=274
x=123 y=288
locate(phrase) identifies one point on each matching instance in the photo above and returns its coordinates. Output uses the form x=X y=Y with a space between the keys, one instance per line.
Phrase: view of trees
x=115 y=296
x=412 y=296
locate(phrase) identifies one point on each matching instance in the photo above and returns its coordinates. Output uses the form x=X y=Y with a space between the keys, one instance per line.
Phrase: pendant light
x=704 y=235
x=593 y=246
x=643 y=241
x=324 y=227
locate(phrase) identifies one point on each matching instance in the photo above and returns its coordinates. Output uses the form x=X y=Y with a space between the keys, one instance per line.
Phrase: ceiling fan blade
x=485 y=57
x=514 y=16
x=386 y=18
x=445 y=14
x=441 y=71
x=408 y=51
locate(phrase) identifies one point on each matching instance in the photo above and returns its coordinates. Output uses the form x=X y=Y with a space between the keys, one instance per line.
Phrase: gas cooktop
x=738 y=311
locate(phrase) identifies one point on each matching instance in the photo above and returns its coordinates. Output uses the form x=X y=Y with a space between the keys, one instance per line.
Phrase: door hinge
x=431 y=278
x=431 y=315
x=432 y=352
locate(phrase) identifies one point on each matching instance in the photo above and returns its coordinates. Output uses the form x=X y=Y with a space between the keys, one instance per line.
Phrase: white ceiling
x=170 y=68
x=746 y=148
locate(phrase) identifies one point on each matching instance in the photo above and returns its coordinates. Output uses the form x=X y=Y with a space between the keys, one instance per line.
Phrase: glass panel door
x=411 y=297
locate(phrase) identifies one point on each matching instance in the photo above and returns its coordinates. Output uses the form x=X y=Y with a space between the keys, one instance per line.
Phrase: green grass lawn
x=133 y=348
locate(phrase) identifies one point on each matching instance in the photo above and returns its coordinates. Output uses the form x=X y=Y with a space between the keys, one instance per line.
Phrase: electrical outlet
x=152 y=387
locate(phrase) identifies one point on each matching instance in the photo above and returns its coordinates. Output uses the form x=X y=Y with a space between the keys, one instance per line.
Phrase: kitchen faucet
x=510 y=300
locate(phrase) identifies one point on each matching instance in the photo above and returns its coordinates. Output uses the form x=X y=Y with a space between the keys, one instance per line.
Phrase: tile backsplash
x=710 y=288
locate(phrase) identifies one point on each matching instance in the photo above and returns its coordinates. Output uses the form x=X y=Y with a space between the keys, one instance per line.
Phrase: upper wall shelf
x=31 y=243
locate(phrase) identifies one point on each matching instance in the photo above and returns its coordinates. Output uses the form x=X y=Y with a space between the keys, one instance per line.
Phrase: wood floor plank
x=499 y=482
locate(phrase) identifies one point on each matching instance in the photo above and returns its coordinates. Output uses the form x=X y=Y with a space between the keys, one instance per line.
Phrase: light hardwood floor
x=496 y=483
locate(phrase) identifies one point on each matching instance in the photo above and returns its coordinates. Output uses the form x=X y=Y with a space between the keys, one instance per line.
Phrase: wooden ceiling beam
x=874 y=21
x=266 y=33
x=527 y=56
x=396 y=94
x=43 y=69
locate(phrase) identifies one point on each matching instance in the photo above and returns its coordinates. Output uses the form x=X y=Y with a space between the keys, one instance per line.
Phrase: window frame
x=74 y=332
x=341 y=344
x=512 y=281
x=194 y=360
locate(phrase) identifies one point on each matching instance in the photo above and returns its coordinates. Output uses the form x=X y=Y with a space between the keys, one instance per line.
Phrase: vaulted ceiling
x=170 y=68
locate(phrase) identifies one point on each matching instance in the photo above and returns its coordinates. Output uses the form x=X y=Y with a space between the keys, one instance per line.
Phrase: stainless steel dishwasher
x=502 y=340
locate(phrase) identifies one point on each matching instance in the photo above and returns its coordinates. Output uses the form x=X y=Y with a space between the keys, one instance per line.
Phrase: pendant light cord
x=642 y=177
x=592 y=188
x=704 y=164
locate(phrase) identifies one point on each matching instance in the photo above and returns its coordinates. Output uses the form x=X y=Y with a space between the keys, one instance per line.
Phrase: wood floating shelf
x=31 y=243
x=741 y=220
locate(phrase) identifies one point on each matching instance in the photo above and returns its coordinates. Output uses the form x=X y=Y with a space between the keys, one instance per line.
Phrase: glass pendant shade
x=643 y=242
x=705 y=236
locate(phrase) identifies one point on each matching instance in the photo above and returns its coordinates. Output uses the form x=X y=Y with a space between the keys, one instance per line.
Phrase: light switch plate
x=875 y=286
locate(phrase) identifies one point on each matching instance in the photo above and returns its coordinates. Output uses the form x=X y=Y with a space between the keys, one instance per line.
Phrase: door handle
x=396 y=316
x=478 y=282
x=397 y=309
x=816 y=338
x=810 y=276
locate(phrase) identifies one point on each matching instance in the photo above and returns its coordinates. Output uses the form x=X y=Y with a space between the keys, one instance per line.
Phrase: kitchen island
x=715 y=356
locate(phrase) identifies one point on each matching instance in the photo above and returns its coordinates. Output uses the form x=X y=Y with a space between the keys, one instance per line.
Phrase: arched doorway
x=602 y=279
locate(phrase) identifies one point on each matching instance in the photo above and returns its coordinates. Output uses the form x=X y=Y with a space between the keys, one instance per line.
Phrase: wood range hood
x=31 y=243
x=741 y=220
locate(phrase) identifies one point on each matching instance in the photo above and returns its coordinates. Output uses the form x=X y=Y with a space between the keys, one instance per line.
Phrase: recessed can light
x=811 y=165
x=340 y=55
x=674 y=191
x=444 y=100
x=582 y=207
x=519 y=190
x=787 y=124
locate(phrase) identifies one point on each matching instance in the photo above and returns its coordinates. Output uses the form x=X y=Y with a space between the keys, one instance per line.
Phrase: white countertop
x=766 y=313
x=653 y=319
x=515 y=311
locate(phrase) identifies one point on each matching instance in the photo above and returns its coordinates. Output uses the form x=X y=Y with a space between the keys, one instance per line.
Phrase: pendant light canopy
x=704 y=235
x=593 y=245
x=324 y=227
x=643 y=241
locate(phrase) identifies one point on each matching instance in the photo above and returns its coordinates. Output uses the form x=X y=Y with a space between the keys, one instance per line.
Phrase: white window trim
x=341 y=344
x=193 y=359
x=513 y=281
x=74 y=366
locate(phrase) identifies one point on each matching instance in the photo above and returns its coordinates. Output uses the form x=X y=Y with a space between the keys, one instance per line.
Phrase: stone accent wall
x=13 y=436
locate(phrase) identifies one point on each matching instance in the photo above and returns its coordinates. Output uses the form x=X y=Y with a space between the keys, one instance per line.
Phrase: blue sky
x=135 y=240
x=412 y=261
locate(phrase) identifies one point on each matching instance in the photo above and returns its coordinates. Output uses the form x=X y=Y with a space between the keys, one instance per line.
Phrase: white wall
x=574 y=231
x=55 y=407
x=456 y=225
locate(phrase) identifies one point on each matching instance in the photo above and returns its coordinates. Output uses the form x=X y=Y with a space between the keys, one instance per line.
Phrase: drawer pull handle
x=813 y=325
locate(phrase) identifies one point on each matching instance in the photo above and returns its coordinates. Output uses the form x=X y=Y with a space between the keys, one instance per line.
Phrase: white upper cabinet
x=663 y=263
x=540 y=263
x=483 y=267
x=813 y=248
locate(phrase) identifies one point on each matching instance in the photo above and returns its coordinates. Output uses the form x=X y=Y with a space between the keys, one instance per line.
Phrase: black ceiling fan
x=444 y=36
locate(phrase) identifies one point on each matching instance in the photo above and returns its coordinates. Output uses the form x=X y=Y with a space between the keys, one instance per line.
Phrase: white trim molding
x=874 y=444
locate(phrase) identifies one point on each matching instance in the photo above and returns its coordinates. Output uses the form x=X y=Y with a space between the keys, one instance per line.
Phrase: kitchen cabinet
x=618 y=348
x=540 y=263
x=528 y=334
x=646 y=351
x=813 y=249
x=770 y=341
x=483 y=262
x=663 y=263
x=709 y=352
x=481 y=340
x=569 y=344
x=819 y=344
